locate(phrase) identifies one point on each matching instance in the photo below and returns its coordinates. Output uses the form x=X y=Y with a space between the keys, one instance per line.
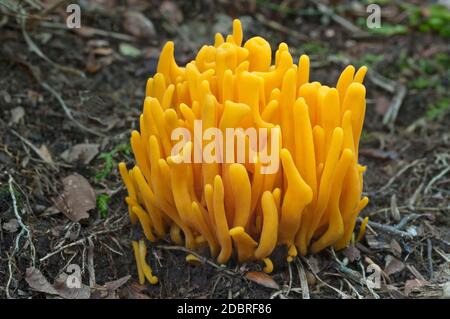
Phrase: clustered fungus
x=311 y=202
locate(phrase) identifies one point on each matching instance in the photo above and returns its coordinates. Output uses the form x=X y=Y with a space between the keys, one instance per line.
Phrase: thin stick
x=430 y=257
x=388 y=229
x=34 y=148
x=391 y=115
x=78 y=242
x=435 y=179
x=303 y=279
x=393 y=178
x=201 y=258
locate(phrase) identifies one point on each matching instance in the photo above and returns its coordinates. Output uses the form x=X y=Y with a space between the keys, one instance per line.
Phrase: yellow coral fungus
x=239 y=155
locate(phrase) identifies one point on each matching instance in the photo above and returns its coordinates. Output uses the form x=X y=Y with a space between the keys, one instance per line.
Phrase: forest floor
x=69 y=99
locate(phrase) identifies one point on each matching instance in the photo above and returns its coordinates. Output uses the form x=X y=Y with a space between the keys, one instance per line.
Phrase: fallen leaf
x=37 y=281
x=77 y=199
x=17 y=114
x=64 y=291
x=11 y=226
x=393 y=265
x=352 y=253
x=413 y=284
x=116 y=284
x=139 y=25
x=396 y=249
x=262 y=279
x=135 y=291
x=395 y=292
x=83 y=153
x=45 y=154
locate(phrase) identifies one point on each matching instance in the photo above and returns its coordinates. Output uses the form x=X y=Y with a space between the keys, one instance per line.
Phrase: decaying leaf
x=393 y=265
x=44 y=153
x=396 y=249
x=116 y=284
x=37 y=281
x=135 y=291
x=77 y=199
x=352 y=253
x=262 y=279
x=64 y=291
x=83 y=153
x=413 y=284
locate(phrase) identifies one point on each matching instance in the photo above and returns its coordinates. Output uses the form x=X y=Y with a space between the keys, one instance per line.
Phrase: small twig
x=67 y=110
x=93 y=31
x=442 y=254
x=435 y=179
x=346 y=24
x=405 y=220
x=34 y=48
x=341 y=293
x=91 y=269
x=393 y=178
x=201 y=258
x=388 y=229
x=280 y=28
x=78 y=242
x=430 y=257
x=391 y=115
x=53 y=6
x=290 y=280
x=303 y=279
x=34 y=148
x=24 y=231
x=35 y=73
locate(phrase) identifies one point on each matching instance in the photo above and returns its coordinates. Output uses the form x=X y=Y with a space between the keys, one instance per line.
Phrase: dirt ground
x=62 y=87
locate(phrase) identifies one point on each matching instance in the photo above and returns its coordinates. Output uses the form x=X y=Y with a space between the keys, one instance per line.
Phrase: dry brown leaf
x=262 y=279
x=393 y=265
x=352 y=253
x=37 y=281
x=139 y=25
x=77 y=199
x=413 y=284
x=135 y=291
x=45 y=154
x=116 y=284
x=84 y=292
x=396 y=248
x=83 y=153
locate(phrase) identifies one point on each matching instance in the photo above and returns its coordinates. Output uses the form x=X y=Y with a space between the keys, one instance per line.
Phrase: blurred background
x=69 y=98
